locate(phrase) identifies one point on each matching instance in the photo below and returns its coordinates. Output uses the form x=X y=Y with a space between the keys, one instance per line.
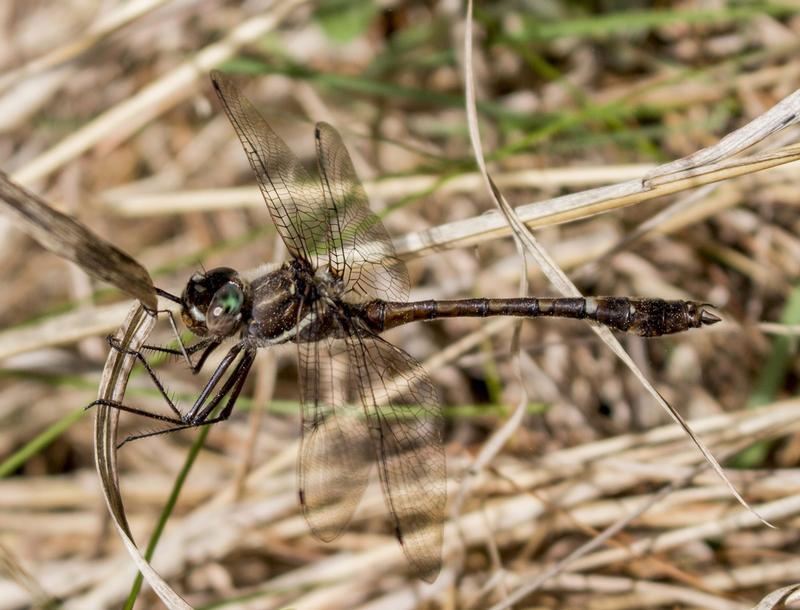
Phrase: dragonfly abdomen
x=640 y=316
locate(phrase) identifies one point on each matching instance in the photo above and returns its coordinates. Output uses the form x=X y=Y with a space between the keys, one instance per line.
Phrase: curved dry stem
x=131 y=335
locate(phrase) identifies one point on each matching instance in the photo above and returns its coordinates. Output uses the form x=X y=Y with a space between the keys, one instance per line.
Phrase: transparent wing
x=336 y=449
x=360 y=249
x=402 y=409
x=294 y=198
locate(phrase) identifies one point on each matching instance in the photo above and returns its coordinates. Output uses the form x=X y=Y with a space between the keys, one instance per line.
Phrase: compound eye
x=224 y=314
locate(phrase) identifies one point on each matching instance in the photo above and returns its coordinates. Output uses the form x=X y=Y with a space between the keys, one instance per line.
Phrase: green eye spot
x=224 y=314
x=231 y=300
x=227 y=301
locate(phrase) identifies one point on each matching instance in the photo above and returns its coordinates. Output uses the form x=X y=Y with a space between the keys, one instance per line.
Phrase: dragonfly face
x=216 y=302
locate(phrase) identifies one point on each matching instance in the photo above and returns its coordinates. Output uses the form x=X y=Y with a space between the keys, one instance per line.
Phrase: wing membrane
x=336 y=449
x=363 y=399
x=366 y=400
x=361 y=251
x=405 y=422
x=329 y=226
x=294 y=198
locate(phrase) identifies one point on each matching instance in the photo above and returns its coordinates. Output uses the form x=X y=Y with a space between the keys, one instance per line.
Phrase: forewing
x=293 y=197
x=335 y=452
x=66 y=237
x=361 y=251
x=405 y=422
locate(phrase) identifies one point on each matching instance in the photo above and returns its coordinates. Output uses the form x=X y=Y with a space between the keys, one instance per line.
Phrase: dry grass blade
x=501 y=436
x=785 y=597
x=773 y=328
x=554 y=273
x=491 y=225
x=572 y=560
x=780 y=509
x=155 y=204
x=782 y=115
x=630 y=593
x=159 y=96
x=70 y=239
x=106 y=25
x=132 y=335
x=576 y=206
x=10 y=566
x=62 y=329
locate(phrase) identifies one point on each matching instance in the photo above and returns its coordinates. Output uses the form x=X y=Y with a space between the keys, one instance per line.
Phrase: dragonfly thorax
x=216 y=302
x=328 y=285
x=276 y=304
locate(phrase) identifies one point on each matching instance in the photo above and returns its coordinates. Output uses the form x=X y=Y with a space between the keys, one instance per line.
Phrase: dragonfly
x=364 y=401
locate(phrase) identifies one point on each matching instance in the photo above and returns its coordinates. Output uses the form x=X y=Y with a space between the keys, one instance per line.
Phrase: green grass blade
x=167 y=511
x=39 y=442
x=771 y=379
x=635 y=23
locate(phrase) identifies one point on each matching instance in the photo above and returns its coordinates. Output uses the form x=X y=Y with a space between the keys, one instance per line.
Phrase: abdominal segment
x=640 y=316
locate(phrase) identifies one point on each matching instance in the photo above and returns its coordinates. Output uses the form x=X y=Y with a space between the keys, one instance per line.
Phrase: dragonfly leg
x=209 y=344
x=156 y=381
x=231 y=388
x=121 y=407
x=177 y=334
x=136 y=437
x=205 y=404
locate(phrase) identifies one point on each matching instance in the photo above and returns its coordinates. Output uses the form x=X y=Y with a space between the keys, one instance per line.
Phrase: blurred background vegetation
x=107 y=111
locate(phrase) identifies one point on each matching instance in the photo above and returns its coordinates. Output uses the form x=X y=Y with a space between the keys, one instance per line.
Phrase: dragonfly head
x=215 y=302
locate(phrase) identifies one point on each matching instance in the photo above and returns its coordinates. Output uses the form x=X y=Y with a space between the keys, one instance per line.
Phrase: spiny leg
x=122 y=407
x=136 y=437
x=198 y=412
x=232 y=387
x=156 y=381
x=212 y=345
x=180 y=419
x=191 y=417
x=168 y=295
x=208 y=344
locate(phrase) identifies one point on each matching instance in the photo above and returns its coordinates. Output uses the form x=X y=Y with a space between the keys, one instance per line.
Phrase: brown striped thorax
x=221 y=303
x=288 y=304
